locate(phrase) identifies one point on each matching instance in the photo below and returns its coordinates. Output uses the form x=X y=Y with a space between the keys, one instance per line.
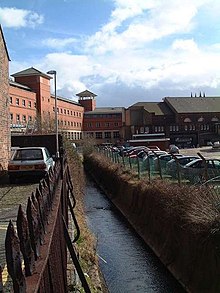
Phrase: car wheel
x=12 y=180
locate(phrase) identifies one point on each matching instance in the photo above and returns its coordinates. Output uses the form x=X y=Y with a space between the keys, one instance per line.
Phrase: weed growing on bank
x=86 y=244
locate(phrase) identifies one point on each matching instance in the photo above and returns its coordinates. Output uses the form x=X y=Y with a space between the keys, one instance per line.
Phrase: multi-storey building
x=187 y=121
x=32 y=107
x=103 y=125
x=4 y=105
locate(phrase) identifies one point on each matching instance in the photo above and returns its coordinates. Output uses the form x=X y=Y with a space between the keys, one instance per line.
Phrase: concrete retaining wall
x=181 y=225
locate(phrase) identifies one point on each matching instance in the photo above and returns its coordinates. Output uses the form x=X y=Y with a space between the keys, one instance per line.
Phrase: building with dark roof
x=187 y=121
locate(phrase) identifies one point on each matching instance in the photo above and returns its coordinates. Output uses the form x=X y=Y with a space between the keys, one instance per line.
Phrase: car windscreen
x=28 y=155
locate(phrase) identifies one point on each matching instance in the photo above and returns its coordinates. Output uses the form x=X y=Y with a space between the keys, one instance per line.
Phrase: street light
x=54 y=73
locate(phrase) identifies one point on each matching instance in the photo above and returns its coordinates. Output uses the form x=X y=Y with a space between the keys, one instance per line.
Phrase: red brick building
x=32 y=107
x=4 y=104
x=186 y=121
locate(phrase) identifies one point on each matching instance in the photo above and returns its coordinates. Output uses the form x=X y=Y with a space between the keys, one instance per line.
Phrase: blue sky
x=124 y=51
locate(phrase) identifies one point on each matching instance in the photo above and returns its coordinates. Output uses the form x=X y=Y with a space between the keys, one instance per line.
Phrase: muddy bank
x=181 y=225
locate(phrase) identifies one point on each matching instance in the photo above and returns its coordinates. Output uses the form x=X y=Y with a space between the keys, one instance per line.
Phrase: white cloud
x=59 y=43
x=17 y=18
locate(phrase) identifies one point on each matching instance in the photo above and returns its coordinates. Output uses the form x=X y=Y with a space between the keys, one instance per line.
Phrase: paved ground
x=206 y=152
x=10 y=198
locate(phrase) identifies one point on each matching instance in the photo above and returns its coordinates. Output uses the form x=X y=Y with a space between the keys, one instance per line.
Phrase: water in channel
x=127 y=263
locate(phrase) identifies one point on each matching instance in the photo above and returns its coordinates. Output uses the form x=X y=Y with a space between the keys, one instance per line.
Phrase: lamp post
x=54 y=73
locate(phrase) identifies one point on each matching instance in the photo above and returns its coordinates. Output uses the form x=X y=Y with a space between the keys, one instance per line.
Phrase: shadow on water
x=127 y=263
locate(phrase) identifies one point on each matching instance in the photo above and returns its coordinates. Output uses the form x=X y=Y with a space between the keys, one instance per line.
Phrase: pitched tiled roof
x=86 y=93
x=194 y=104
x=31 y=71
x=159 y=108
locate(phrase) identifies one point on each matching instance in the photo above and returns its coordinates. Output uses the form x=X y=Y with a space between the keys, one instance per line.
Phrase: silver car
x=200 y=170
x=28 y=162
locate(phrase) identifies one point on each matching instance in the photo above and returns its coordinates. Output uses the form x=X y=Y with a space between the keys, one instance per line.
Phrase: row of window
x=190 y=127
x=73 y=135
x=201 y=119
x=99 y=124
x=23 y=118
x=69 y=123
x=22 y=102
x=100 y=135
x=67 y=112
x=118 y=115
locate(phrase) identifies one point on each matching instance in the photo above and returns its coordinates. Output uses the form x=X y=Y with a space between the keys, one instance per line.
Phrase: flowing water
x=127 y=263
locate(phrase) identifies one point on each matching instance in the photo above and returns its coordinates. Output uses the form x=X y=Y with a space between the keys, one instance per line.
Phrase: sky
x=124 y=51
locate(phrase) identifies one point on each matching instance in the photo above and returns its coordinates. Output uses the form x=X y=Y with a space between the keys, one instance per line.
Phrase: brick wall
x=4 y=105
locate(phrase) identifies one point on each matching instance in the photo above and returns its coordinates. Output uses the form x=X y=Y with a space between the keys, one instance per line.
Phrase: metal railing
x=36 y=249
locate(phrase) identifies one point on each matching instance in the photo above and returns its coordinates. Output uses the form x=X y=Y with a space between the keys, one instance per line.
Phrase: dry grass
x=86 y=244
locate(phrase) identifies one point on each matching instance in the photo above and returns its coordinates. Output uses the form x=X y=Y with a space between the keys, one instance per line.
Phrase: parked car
x=29 y=161
x=164 y=159
x=171 y=167
x=195 y=170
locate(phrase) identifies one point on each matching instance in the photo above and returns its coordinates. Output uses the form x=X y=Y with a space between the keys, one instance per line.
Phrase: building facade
x=32 y=106
x=4 y=104
x=187 y=121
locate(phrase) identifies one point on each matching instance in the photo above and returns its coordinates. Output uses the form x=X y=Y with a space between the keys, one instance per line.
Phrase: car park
x=29 y=162
x=200 y=170
x=163 y=160
x=171 y=167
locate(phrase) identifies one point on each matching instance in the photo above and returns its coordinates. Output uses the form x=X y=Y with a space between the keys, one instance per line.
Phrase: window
x=89 y=124
x=98 y=135
x=29 y=118
x=18 y=117
x=61 y=111
x=34 y=104
x=24 y=118
x=107 y=134
x=17 y=101
x=187 y=120
x=29 y=104
x=79 y=114
x=68 y=112
x=23 y=103
x=116 y=134
x=11 y=115
x=10 y=100
x=71 y=123
x=71 y=112
x=107 y=124
x=64 y=111
x=97 y=124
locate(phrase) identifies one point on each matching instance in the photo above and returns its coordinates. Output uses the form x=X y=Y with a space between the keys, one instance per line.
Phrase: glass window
x=17 y=101
x=10 y=100
x=98 y=135
x=107 y=134
x=23 y=103
x=18 y=117
x=29 y=104
x=11 y=115
x=24 y=118
x=116 y=134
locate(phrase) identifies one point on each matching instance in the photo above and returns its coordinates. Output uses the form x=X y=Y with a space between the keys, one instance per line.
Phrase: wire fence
x=152 y=167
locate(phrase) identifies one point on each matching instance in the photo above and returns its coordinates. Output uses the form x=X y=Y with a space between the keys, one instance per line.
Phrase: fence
x=152 y=167
x=36 y=249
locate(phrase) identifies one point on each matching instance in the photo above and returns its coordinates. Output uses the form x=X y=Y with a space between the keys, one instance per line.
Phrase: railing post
x=25 y=243
x=13 y=258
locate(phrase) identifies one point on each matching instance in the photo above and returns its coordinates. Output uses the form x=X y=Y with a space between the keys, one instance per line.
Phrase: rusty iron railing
x=36 y=250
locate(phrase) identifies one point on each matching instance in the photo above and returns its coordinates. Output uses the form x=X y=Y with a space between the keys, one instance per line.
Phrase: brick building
x=187 y=121
x=32 y=106
x=4 y=104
